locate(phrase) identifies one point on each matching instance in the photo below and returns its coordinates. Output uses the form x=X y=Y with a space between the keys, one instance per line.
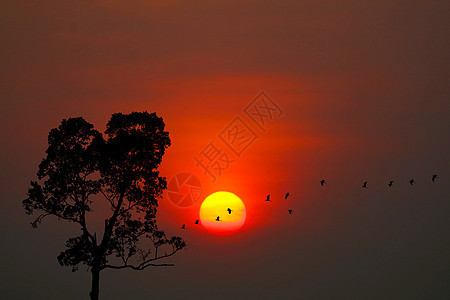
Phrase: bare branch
x=39 y=219
x=137 y=268
x=145 y=263
x=110 y=199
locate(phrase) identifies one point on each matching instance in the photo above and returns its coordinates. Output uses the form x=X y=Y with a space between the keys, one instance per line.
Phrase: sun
x=222 y=213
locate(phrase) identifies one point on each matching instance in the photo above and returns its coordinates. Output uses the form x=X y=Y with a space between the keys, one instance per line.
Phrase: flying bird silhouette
x=268 y=198
x=196 y=222
x=229 y=211
x=290 y=211
x=322 y=182
x=411 y=182
x=218 y=219
x=390 y=183
x=433 y=178
x=365 y=185
x=183 y=226
x=286 y=196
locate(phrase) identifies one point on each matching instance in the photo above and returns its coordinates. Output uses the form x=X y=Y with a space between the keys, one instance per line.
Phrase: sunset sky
x=362 y=92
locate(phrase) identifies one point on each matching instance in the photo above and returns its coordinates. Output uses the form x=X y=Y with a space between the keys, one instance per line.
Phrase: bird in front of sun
x=268 y=198
x=365 y=185
x=287 y=195
x=222 y=213
x=183 y=226
x=196 y=222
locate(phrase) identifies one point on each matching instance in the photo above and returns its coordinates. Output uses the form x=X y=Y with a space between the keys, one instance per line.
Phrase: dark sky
x=364 y=90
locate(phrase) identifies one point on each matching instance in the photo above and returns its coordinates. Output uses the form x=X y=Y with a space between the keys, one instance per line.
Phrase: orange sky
x=347 y=87
x=364 y=90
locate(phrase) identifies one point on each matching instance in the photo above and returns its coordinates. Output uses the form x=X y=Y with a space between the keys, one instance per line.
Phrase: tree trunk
x=95 y=284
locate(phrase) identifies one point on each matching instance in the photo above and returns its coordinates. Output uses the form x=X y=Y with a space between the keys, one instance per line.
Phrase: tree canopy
x=121 y=167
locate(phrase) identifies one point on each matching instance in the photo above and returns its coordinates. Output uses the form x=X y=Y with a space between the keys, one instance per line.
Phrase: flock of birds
x=390 y=184
x=322 y=182
x=229 y=210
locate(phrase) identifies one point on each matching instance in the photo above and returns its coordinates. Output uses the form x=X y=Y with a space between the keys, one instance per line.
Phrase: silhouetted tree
x=83 y=167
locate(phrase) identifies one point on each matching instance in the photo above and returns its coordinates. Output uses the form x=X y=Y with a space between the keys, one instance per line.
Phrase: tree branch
x=38 y=220
x=109 y=223
x=137 y=268
x=110 y=199
x=145 y=263
x=82 y=222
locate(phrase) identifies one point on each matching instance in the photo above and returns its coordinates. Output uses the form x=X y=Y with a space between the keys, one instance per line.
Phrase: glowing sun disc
x=216 y=216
